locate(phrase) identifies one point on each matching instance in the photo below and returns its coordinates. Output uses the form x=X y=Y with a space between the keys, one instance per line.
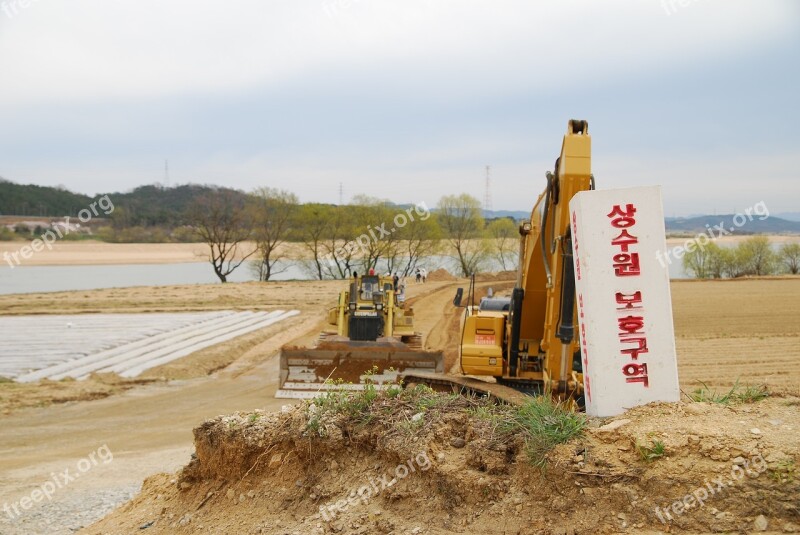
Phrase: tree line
x=337 y=241
x=754 y=256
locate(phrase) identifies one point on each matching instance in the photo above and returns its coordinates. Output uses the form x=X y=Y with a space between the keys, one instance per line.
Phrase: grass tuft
x=650 y=453
x=737 y=394
x=544 y=423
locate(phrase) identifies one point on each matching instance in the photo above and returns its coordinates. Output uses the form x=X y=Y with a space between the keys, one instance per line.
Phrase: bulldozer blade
x=346 y=365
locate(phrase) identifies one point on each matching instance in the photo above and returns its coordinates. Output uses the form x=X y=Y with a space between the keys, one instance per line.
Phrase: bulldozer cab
x=370 y=285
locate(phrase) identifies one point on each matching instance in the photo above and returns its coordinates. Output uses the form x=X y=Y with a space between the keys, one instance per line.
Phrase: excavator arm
x=541 y=326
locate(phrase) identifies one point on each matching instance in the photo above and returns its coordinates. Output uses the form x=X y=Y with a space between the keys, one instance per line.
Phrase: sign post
x=624 y=301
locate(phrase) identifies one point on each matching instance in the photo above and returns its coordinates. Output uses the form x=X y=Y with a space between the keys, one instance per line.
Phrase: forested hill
x=30 y=200
x=144 y=206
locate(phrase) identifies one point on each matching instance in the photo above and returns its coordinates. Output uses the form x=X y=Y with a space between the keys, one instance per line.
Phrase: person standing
x=419 y=275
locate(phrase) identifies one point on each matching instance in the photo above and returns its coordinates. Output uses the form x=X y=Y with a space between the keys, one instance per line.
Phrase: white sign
x=624 y=302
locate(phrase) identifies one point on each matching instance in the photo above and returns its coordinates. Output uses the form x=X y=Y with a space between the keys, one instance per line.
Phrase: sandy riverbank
x=86 y=253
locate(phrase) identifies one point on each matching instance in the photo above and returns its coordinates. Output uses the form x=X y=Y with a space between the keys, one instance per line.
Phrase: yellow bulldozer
x=369 y=331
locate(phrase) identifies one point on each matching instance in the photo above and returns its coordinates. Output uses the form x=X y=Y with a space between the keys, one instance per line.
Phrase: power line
x=487 y=196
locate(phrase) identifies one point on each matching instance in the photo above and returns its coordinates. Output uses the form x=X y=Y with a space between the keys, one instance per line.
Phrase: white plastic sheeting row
x=55 y=347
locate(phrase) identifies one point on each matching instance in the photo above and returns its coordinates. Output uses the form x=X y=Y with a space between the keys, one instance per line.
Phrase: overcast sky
x=405 y=100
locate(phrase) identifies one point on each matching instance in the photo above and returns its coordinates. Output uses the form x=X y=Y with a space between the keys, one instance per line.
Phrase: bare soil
x=726 y=331
x=272 y=473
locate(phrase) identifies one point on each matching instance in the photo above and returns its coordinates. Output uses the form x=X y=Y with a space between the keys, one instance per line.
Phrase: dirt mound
x=442 y=464
x=499 y=276
x=441 y=274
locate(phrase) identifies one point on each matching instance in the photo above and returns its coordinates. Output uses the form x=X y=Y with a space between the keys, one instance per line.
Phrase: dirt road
x=147 y=429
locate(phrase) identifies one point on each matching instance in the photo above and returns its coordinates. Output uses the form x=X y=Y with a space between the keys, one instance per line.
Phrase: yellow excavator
x=522 y=344
x=528 y=341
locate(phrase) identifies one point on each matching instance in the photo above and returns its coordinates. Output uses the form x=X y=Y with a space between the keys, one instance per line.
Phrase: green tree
x=789 y=255
x=732 y=262
x=504 y=242
x=757 y=256
x=703 y=261
x=462 y=225
x=272 y=213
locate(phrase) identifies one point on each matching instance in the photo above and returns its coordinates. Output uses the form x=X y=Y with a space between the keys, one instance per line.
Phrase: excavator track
x=465 y=385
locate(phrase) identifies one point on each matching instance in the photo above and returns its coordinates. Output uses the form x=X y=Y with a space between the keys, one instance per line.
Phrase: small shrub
x=650 y=453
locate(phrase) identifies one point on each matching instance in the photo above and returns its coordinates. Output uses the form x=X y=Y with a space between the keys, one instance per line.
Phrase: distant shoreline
x=92 y=253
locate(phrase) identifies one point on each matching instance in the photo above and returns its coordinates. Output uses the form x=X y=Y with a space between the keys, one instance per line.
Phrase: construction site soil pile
x=441 y=274
x=421 y=462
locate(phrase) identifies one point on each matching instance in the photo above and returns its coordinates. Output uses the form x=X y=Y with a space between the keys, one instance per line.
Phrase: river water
x=33 y=279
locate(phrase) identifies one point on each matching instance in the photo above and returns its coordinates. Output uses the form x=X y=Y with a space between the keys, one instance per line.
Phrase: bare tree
x=372 y=230
x=462 y=224
x=417 y=239
x=272 y=214
x=220 y=221
x=504 y=242
x=313 y=223
x=339 y=245
x=327 y=234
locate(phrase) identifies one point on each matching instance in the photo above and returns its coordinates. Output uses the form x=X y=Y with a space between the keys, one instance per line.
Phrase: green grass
x=784 y=472
x=737 y=394
x=541 y=422
x=544 y=423
x=5 y=380
x=650 y=453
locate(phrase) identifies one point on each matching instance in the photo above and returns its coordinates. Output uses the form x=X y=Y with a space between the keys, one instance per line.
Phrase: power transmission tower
x=487 y=196
x=166 y=173
x=341 y=193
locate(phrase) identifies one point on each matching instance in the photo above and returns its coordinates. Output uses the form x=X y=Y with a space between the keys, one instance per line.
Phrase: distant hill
x=145 y=206
x=790 y=216
x=516 y=214
x=770 y=225
x=30 y=200
x=154 y=205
